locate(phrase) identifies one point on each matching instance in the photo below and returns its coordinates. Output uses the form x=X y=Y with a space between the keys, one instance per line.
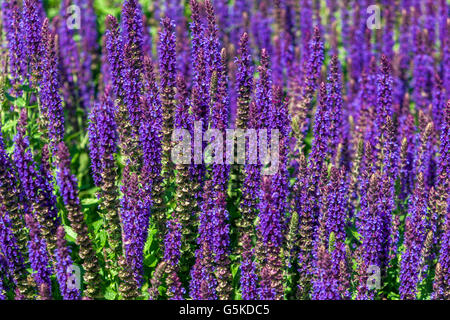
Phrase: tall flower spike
x=384 y=93
x=37 y=186
x=23 y=159
x=14 y=259
x=320 y=147
x=335 y=105
x=69 y=60
x=150 y=140
x=31 y=24
x=387 y=195
x=94 y=152
x=280 y=121
x=200 y=108
x=89 y=53
x=156 y=279
x=12 y=197
x=68 y=184
x=220 y=176
x=249 y=278
x=356 y=39
x=167 y=67
x=203 y=282
x=172 y=244
x=197 y=35
x=128 y=288
x=423 y=71
x=64 y=267
x=183 y=49
x=369 y=224
x=186 y=202
x=130 y=217
x=308 y=201
x=115 y=55
x=324 y=286
x=415 y=233
x=336 y=205
x=51 y=104
x=103 y=132
x=438 y=102
x=244 y=82
x=45 y=208
x=305 y=228
x=305 y=83
x=313 y=66
x=248 y=206
x=306 y=25
x=132 y=30
x=263 y=89
x=270 y=238
x=211 y=39
x=37 y=252
x=16 y=46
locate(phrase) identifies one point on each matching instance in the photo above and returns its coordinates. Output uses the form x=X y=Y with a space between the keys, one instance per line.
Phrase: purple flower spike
x=244 y=82
x=131 y=216
x=114 y=51
x=415 y=233
x=249 y=279
x=172 y=253
x=37 y=186
x=313 y=65
x=150 y=139
x=167 y=67
x=14 y=261
x=64 y=268
x=12 y=23
x=37 y=252
x=31 y=25
x=52 y=109
x=132 y=33
x=68 y=184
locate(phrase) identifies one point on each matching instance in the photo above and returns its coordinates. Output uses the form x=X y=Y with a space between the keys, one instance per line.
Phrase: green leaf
x=10 y=124
x=97 y=225
x=102 y=236
x=70 y=234
x=356 y=234
x=234 y=269
x=20 y=102
x=89 y=202
x=331 y=242
x=110 y=294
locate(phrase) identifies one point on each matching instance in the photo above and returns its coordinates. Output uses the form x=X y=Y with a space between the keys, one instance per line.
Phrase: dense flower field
x=349 y=201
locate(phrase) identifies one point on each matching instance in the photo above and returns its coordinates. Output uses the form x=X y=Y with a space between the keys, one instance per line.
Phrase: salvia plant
x=314 y=137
